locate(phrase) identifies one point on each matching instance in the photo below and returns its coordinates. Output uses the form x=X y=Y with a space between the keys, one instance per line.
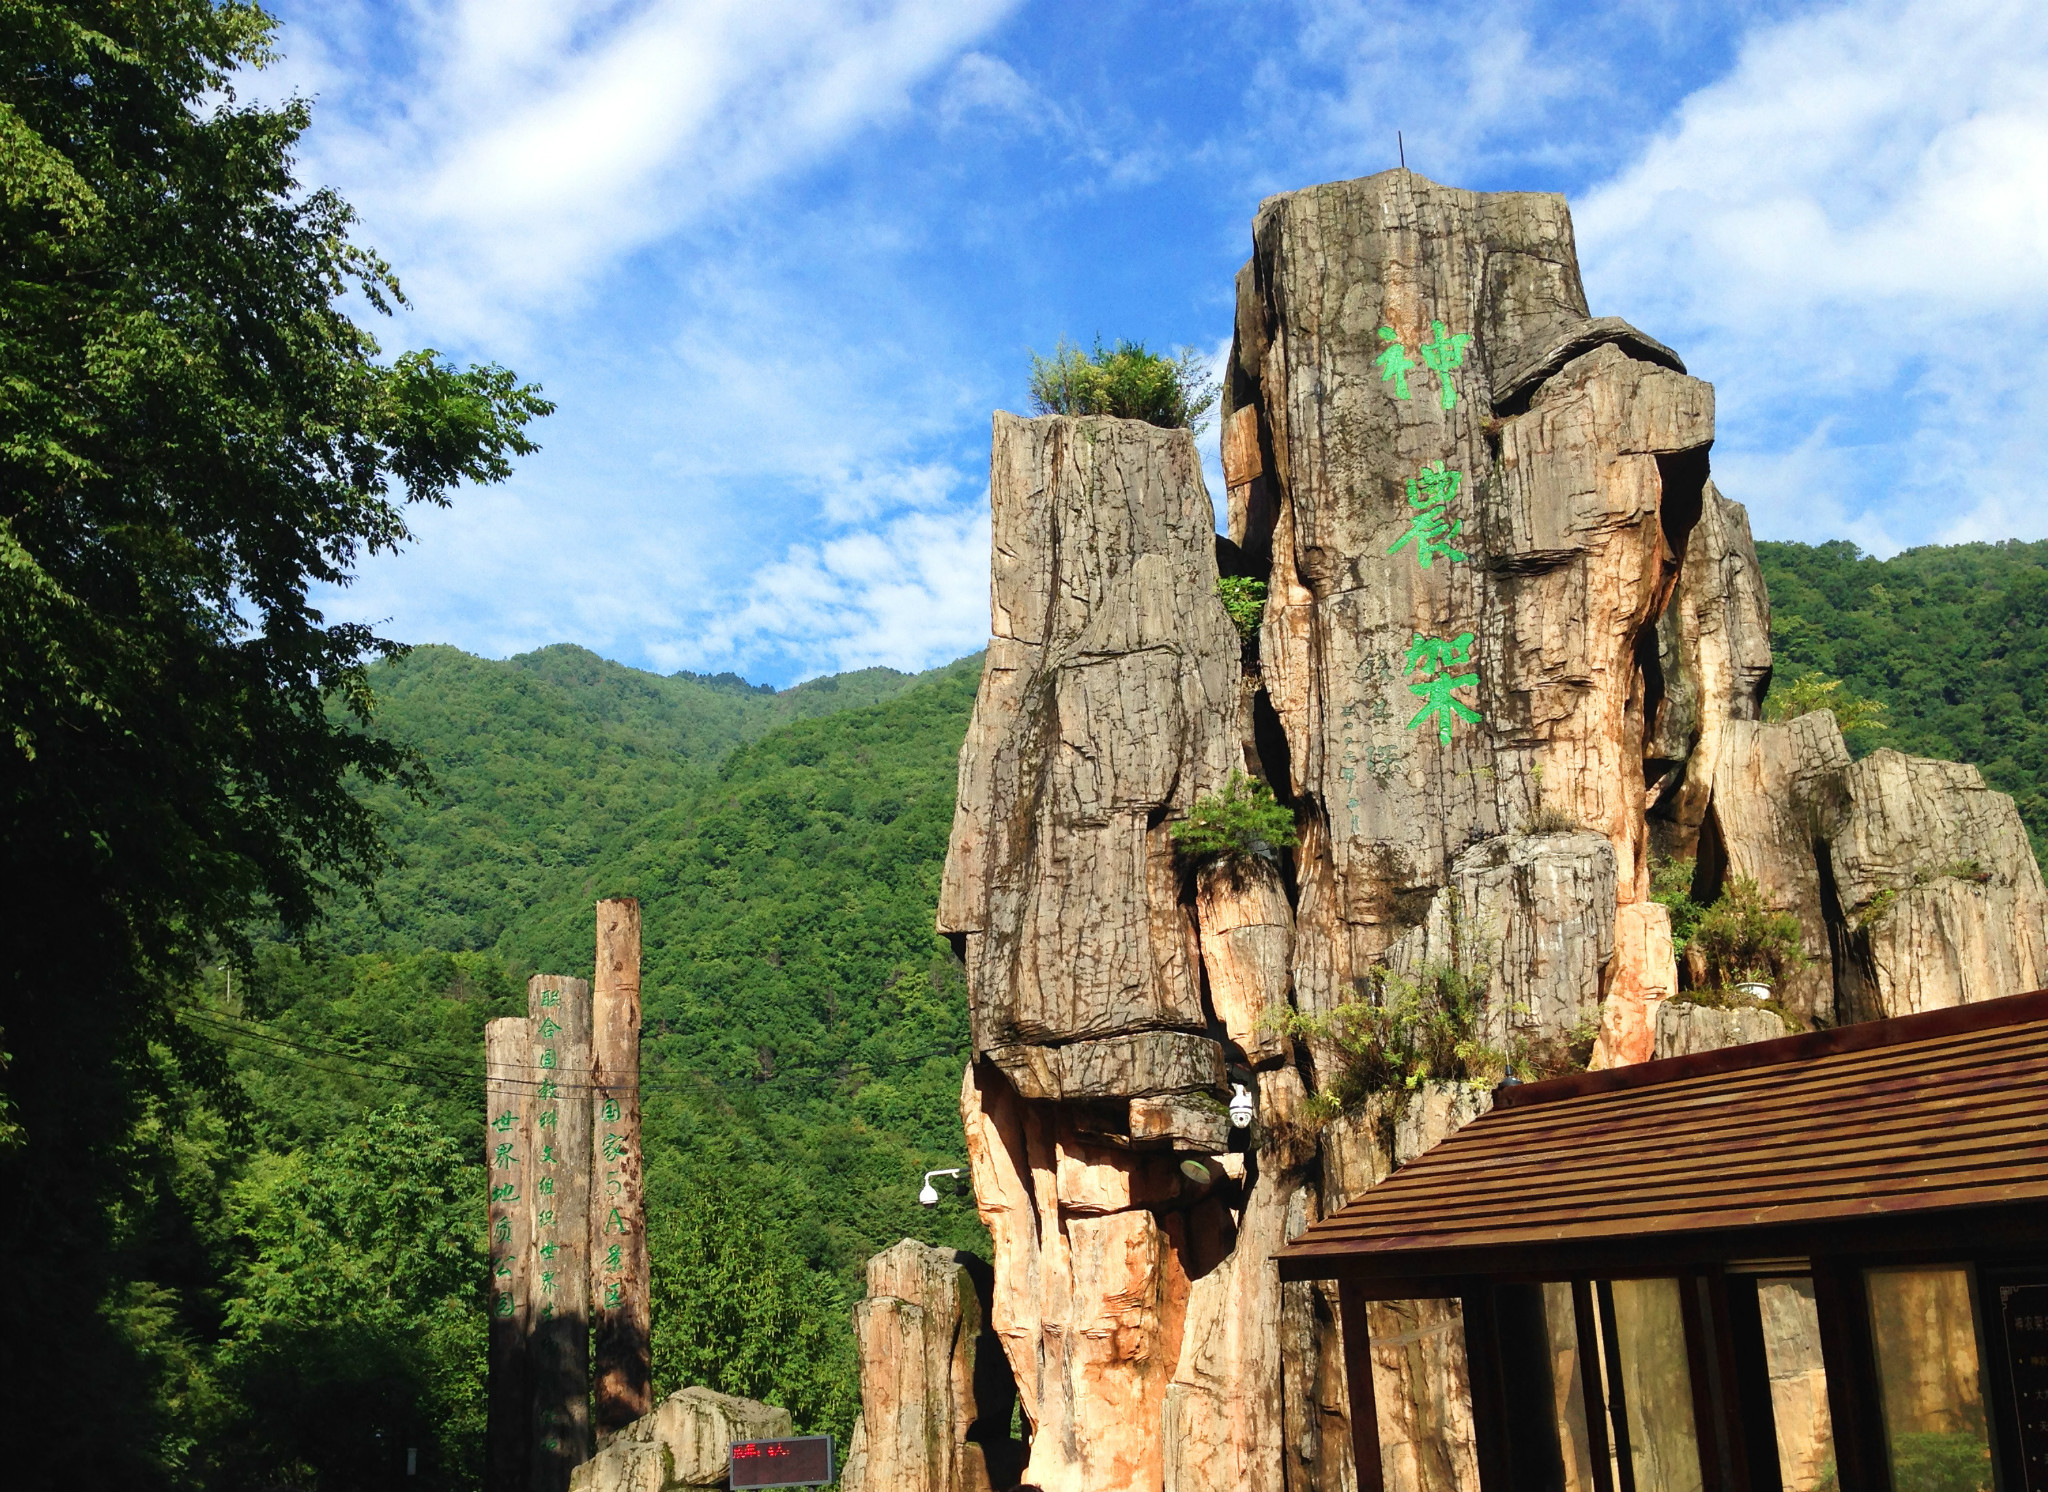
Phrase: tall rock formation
x=1514 y=644
x=1480 y=499
x=933 y=1417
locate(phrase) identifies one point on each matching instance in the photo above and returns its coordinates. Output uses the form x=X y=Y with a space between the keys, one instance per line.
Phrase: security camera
x=930 y=1195
x=1242 y=1106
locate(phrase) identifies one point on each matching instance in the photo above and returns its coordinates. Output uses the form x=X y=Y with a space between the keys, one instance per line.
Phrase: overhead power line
x=258 y=1040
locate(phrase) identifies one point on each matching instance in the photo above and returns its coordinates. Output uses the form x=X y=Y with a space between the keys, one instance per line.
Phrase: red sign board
x=805 y=1461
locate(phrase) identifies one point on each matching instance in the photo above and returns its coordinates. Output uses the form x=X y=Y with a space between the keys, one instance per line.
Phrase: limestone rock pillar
x=1714 y=654
x=1941 y=897
x=1777 y=790
x=1110 y=701
x=1474 y=504
x=1482 y=501
x=920 y=1331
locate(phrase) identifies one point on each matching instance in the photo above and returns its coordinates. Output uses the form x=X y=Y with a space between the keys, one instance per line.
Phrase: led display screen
x=805 y=1461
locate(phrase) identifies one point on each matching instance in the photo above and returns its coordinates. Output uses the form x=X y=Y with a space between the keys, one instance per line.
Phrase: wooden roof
x=1778 y=1143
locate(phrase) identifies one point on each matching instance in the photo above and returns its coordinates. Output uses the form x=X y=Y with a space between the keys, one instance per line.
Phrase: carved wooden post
x=618 y=1240
x=508 y=1121
x=560 y=1289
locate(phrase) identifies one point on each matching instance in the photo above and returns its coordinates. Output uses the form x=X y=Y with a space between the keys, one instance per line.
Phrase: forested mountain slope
x=1953 y=639
x=545 y=764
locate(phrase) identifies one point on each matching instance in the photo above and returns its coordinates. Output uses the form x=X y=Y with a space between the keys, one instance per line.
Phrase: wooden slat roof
x=1886 y=1119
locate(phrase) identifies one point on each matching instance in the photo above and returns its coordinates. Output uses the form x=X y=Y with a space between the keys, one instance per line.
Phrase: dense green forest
x=1951 y=639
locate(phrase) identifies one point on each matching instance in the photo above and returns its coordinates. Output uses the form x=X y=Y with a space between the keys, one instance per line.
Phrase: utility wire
x=252 y=1037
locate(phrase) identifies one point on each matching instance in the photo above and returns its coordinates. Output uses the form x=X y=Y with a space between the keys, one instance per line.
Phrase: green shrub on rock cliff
x=1741 y=939
x=1245 y=600
x=1125 y=381
x=1243 y=820
x=1793 y=695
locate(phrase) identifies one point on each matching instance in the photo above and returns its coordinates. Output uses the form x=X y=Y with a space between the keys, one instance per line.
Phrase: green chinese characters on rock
x=1439 y=661
x=1443 y=353
x=1431 y=492
x=1394 y=363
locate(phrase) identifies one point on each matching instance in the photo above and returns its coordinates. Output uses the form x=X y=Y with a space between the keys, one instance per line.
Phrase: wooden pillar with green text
x=618 y=1238
x=508 y=1143
x=559 y=1288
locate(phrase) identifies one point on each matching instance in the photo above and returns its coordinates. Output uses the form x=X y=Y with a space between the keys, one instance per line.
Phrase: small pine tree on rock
x=1243 y=821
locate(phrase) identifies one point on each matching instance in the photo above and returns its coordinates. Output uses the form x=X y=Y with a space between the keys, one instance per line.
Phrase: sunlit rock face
x=1514 y=641
x=934 y=1418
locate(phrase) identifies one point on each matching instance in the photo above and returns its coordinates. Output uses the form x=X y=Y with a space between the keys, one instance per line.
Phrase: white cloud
x=913 y=594
x=731 y=420
x=981 y=84
x=533 y=144
x=1469 y=83
x=1849 y=234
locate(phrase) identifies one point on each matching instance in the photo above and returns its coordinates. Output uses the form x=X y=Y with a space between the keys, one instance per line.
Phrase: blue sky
x=777 y=260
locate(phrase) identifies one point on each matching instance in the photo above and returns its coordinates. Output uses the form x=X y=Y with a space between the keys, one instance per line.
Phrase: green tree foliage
x=1243 y=820
x=1742 y=940
x=356 y=1328
x=1245 y=600
x=802 y=1056
x=342 y=1034
x=1671 y=883
x=1793 y=695
x=1125 y=381
x=1951 y=640
x=1942 y=1461
x=192 y=434
x=806 y=1025
x=1403 y=1031
x=735 y=1309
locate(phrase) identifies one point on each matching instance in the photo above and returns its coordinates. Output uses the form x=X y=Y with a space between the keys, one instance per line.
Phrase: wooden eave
x=1907 y=1136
